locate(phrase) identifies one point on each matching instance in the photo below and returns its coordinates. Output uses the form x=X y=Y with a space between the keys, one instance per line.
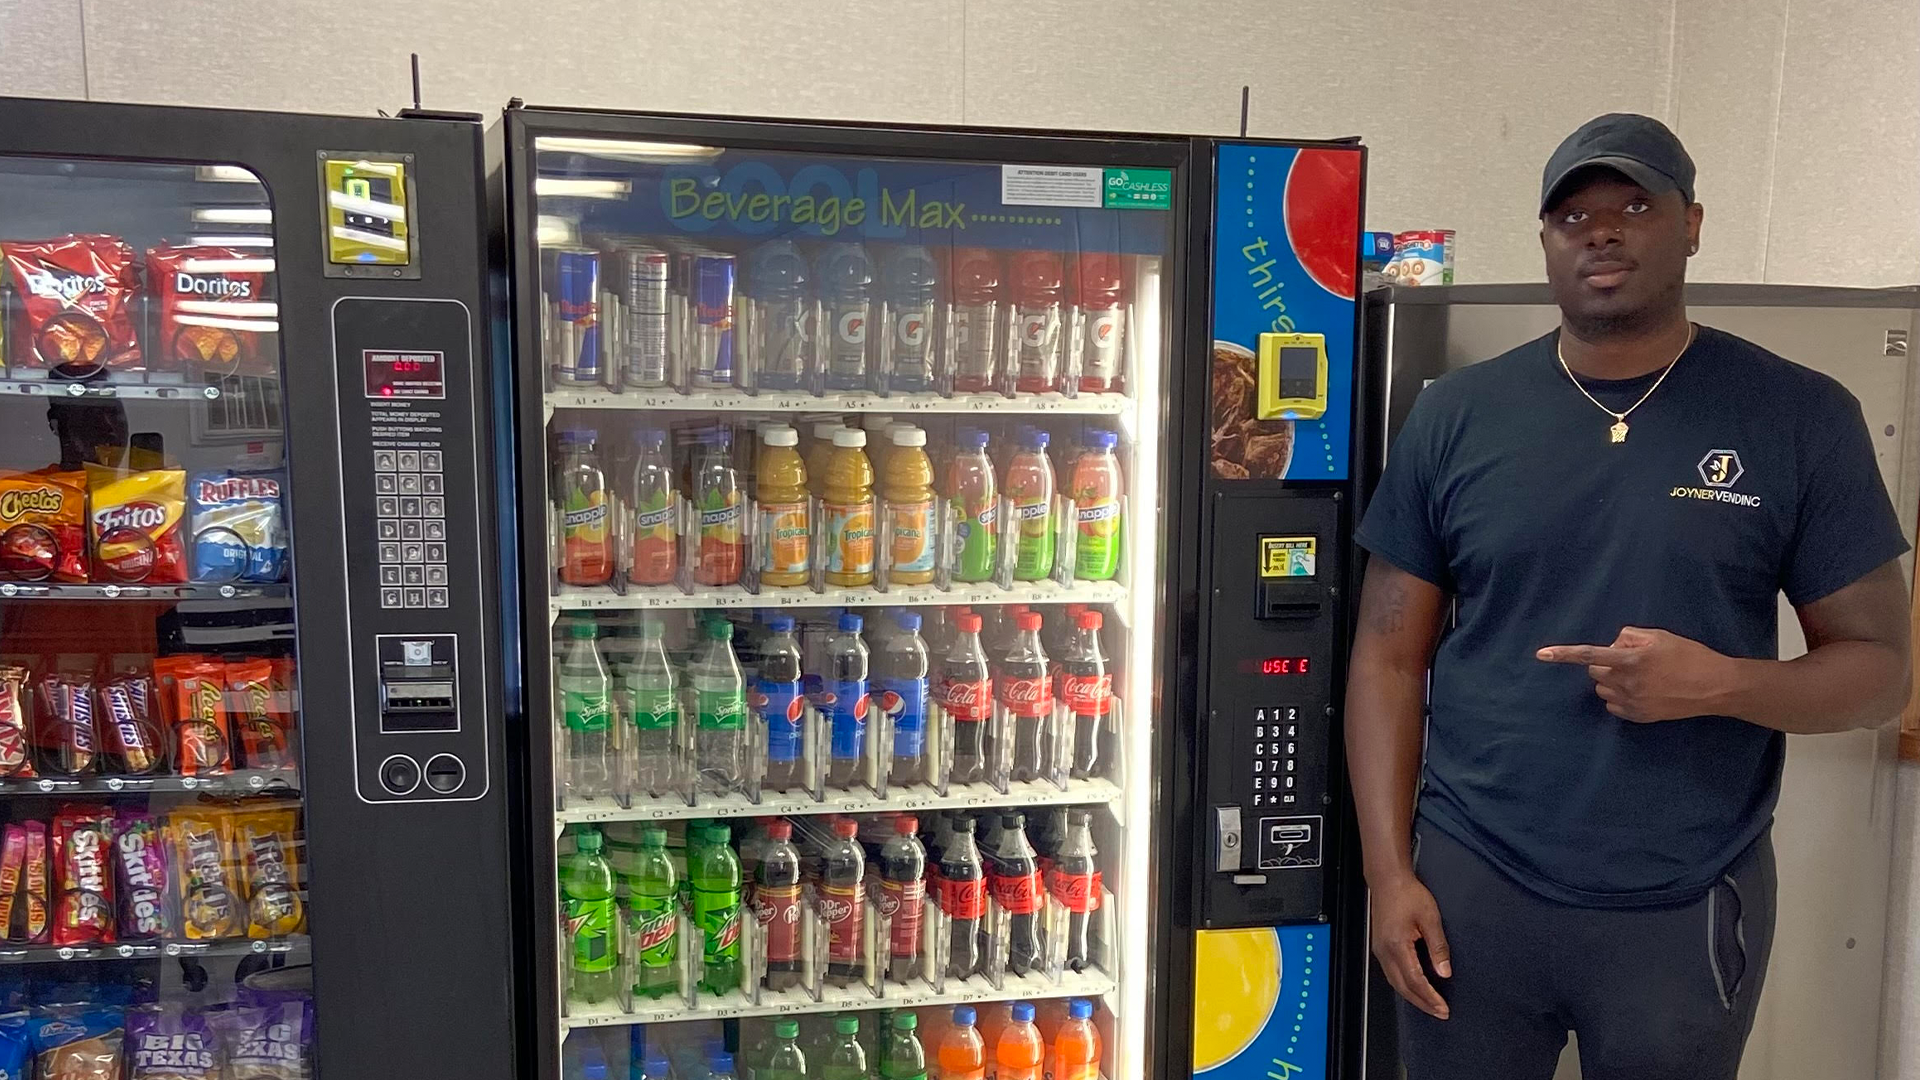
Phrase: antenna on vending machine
x=1245 y=93
x=416 y=87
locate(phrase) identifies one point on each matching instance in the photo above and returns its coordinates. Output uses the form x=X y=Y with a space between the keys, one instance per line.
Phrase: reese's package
x=168 y=1042
x=206 y=297
x=136 y=525
x=269 y=856
x=76 y=303
x=238 y=528
x=79 y=1042
x=260 y=727
x=206 y=878
x=43 y=527
x=193 y=704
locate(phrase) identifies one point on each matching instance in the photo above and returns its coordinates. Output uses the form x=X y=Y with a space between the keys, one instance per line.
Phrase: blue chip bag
x=237 y=526
x=79 y=1042
x=16 y=1047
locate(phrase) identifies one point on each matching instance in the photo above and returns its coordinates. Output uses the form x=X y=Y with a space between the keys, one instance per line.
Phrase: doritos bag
x=76 y=303
x=136 y=525
x=206 y=296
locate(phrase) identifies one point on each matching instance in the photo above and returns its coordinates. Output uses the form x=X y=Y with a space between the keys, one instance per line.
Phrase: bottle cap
x=1080 y=1009
x=906 y=825
x=968 y=623
x=593 y=1070
x=722 y=1063
x=850 y=437
x=876 y=422
x=779 y=829
x=1023 y=1012
x=851 y=623
x=652 y=628
x=657 y=1065
x=720 y=630
x=586 y=841
x=905 y=1021
x=1102 y=439
x=718 y=834
x=1089 y=620
x=964 y=1016
x=780 y=624
x=964 y=824
x=1034 y=439
x=847 y=1025
x=721 y=438
x=790 y=1029
x=652 y=438
x=845 y=827
x=1027 y=620
x=653 y=838
x=824 y=429
x=907 y=435
x=1013 y=819
x=780 y=435
x=908 y=621
x=970 y=439
x=580 y=435
x=582 y=628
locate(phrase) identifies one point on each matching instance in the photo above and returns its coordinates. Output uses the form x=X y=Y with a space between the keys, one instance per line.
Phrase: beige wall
x=1805 y=119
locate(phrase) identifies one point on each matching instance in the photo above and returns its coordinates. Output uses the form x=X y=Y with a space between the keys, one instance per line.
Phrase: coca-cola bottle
x=963 y=899
x=776 y=905
x=843 y=904
x=1013 y=875
x=965 y=694
x=1086 y=687
x=903 y=892
x=1025 y=689
x=1074 y=881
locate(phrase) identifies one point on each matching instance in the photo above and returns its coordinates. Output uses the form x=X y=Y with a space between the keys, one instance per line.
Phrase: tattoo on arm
x=1383 y=603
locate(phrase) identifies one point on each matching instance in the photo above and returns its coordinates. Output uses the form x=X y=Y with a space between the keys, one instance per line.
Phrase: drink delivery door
x=252 y=817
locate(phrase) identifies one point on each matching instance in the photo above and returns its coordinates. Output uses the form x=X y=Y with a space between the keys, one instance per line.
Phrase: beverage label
x=912 y=535
x=906 y=701
x=1087 y=695
x=850 y=537
x=963 y=899
x=777 y=909
x=717 y=914
x=783 y=706
x=590 y=928
x=585 y=710
x=655 y=708
x=845 y=914
x=847 y=343
x=1078 y=893
x=655 y=550
x=720 y=548
x=586 y=554
x=846 y=702
x=973 y=333
x=967 y=699
x=1019 y=894
x=901 y=901
x=1039 y=329
x=1027 y=697
x=1097 y=552
x=1105 y=331
x=786 y=535
x=1033 y=539
x=721 y=710
x=656 y=938
x=974 y=539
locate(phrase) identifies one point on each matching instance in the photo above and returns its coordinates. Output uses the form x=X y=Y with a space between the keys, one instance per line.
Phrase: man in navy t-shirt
x=1610 y=511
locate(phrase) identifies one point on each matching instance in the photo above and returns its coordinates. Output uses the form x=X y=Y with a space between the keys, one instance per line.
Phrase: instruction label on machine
x=1051 y=185
x=1287 y=556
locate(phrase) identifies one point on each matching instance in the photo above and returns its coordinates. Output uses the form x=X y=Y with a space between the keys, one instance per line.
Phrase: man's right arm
x=1400 y=621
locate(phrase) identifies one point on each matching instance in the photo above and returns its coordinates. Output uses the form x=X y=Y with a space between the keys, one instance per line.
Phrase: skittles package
x=79 y=1042
x=43 y=527
x=76 y=303
x=83 y=857
x=141 y=874
x=136 y=525
x=270 y=862
x=205 y=297
x=204 y=871
x=167 y=1042
x=238 y=527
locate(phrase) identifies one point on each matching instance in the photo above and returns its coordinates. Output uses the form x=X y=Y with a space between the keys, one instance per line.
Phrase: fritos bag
x=136 y=525
x=76 y=301
x=43 y=527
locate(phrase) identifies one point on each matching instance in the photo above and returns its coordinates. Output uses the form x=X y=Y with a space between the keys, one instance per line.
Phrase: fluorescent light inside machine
x=258 y=326
x=257 y=309
x=553 y=230
x=233 y=241
x=228 y=266
x=626 y=149
x=224 y=174
x=567 y=187
x=234 y=215
x=354 y=204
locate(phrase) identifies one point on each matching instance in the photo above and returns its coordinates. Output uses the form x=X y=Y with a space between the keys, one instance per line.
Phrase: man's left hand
x=1651 y=675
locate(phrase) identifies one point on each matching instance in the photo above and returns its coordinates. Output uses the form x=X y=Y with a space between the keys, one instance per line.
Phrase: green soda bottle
x=974 y=496
x=586 y=891
x=846 y=1060
x=903 y=1058
x=653 y=903
x=716 y=910
x=784 y=1061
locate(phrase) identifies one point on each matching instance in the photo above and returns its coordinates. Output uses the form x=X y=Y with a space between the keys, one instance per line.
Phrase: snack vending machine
x=859 y=482
x=252 y=789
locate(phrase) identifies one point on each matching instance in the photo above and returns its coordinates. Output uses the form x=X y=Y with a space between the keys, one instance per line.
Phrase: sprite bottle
x=715 y=871
x=653 y=904
x=904 y=1058
x=785 y=1060
x=719 y=690
x=586 y=891
x=846 y=1058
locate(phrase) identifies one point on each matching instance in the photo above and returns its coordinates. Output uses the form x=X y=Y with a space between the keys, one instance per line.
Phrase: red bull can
x=573 y=298
x=712 y=300
x=642 y=288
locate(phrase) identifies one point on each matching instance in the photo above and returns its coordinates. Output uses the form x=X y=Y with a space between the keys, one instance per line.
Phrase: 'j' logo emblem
x=1721 y=468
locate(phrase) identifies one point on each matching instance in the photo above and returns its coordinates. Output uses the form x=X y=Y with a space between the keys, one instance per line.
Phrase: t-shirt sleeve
x=1402 y=524
x=1846 y=525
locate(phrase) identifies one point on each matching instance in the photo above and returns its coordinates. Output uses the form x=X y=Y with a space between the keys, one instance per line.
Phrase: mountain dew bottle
x=586 y=890
x=715 y=871
x=653 y=901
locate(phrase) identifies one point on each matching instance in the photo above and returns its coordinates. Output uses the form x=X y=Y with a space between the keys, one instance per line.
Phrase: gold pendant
x=1618 y=431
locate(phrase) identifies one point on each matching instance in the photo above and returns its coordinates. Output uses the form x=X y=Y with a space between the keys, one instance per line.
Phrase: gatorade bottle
x=776 y=905
x=716 y=497
x=586 y=890
x=818 y=452
x=719 y=690
x=1095 y=488
x=586 y=540
x=962 y=1054
x=847 y=501
x=1038 y=290
x=904 y=1057
x=1019 y=1050
x=910 y=288
x=715 y=871
x=1100 y=295
x=1030 y=486
x=781 y=311
x=846 y=299
x=650 y=521
x=784 y=1058
x=845 y=698
x=902 y=687
x=777 y=697
x=974 y=497
x=909 y=491
x=786 y=533
x=1076 y=1049
x=977 y=307
x=653 y=894
x=846 y=1058
x=586 y=713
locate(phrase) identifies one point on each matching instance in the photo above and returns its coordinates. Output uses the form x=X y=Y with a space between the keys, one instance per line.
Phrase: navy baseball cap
x=1638 y=147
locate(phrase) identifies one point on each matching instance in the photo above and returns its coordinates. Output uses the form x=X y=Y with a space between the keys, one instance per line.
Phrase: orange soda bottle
x=1075 y=1049
x=847 y=501
x=909 y=491
x=786 y=534
x=1019 y=1049
x=962 y=1054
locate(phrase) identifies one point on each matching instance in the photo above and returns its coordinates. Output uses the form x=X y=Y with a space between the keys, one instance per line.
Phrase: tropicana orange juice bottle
x=786 y=533
x=847 y=501
x=818 y=453
x=909 y=491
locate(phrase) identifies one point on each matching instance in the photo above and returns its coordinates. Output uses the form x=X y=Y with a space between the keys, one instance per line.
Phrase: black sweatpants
x=1663 y=993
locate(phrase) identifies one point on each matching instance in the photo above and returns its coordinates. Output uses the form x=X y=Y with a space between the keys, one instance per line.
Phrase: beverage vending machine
x=253 y=806
x=865 y=496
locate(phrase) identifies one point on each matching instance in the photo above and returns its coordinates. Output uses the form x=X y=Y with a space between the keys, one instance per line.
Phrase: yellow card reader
x=368 y=200
x=1292 y=377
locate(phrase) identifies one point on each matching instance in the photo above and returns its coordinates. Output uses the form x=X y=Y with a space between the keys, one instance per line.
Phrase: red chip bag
x=75 y=306
x=43 y=527
x=207 y=298
x=136 y=525
x=83 y=860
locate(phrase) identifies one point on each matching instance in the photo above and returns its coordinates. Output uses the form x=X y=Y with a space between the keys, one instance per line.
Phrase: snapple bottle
x=586 y=541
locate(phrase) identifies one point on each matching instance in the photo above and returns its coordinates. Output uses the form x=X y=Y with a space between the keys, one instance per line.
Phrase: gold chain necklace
x=1619 y=429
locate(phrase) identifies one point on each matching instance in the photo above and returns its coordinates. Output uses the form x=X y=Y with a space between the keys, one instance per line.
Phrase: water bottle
x=653 y=708
x=719 y=691
x=586 y=714
x=846 y=301
x=782 y=310
x=910 y=290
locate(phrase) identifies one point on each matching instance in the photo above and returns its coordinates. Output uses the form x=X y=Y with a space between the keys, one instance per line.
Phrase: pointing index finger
x=1584 y=655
